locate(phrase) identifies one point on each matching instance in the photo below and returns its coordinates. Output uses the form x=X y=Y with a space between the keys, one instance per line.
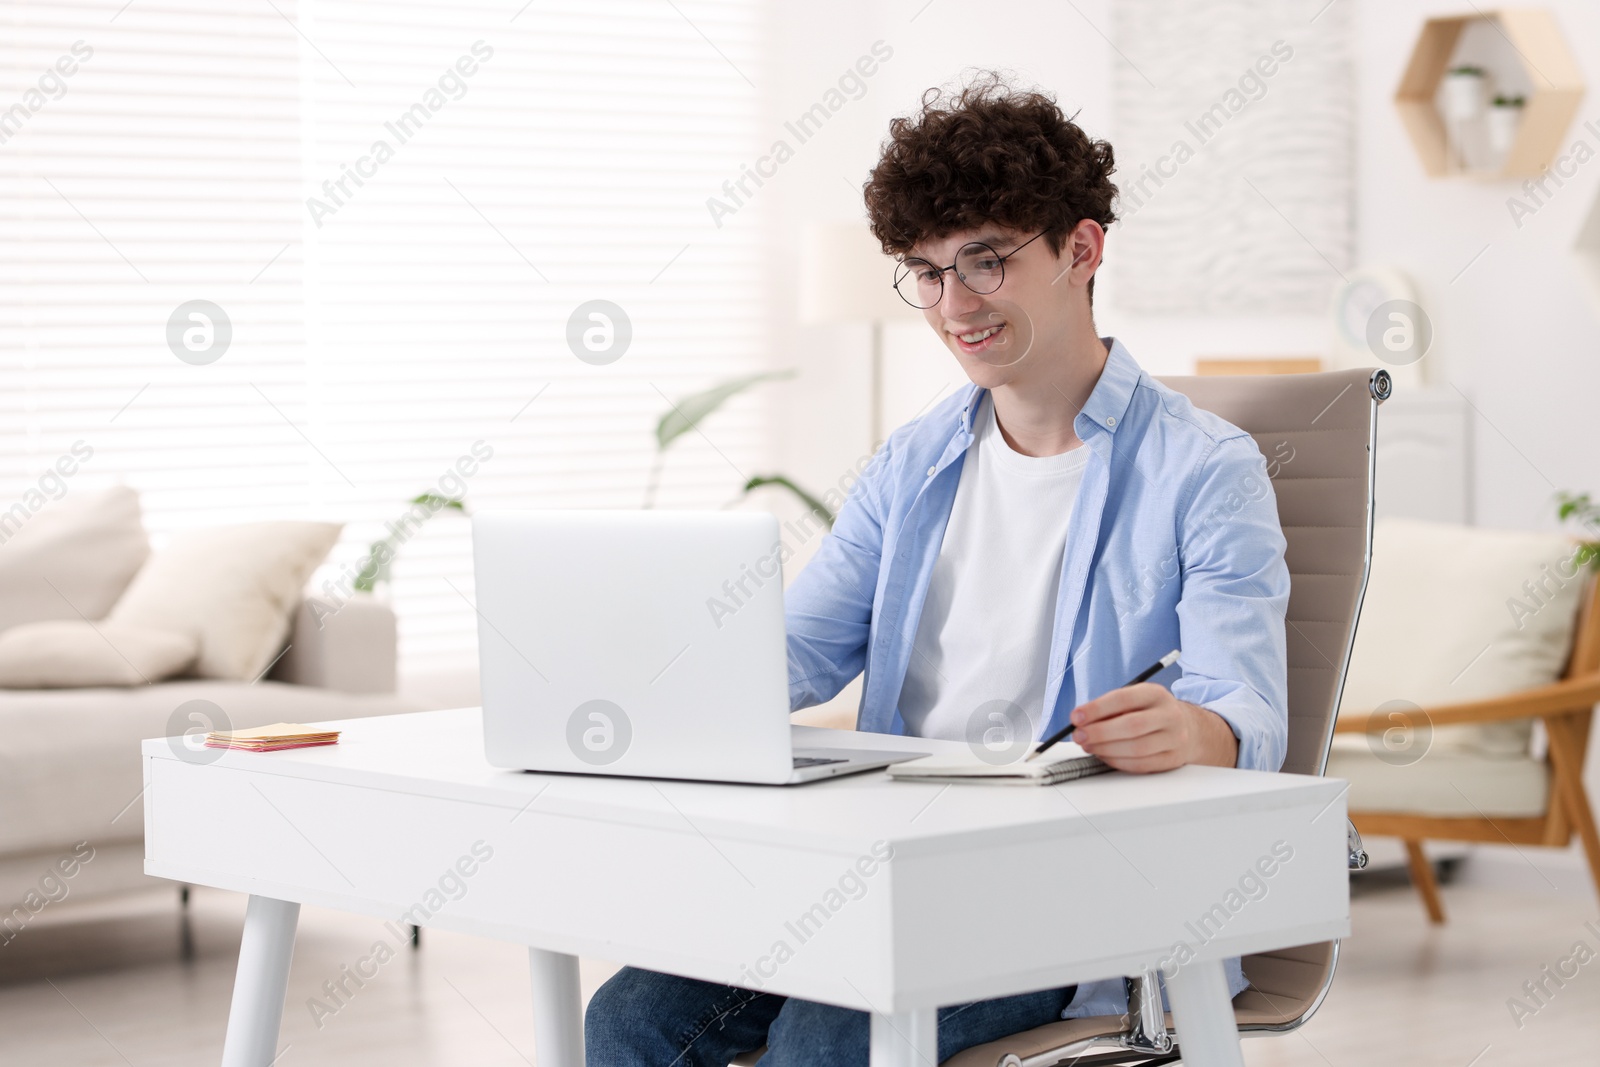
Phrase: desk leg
x=261 y=983
x=557 y=1009
x=1202 y=1013
x=905 y=1038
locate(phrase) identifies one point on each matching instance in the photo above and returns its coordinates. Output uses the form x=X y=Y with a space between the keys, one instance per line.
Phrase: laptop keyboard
x=813 y=761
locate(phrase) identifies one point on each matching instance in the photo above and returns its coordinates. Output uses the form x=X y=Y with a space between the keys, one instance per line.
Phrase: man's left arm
x=1230 y=706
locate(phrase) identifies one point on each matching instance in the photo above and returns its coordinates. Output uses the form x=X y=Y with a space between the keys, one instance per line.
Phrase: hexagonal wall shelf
x=1538 y=65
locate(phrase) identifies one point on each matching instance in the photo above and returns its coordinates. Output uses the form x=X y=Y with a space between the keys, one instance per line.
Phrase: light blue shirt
x=1174 y=542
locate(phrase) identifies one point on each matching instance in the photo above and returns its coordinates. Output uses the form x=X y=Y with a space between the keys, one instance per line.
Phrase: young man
x=1016 y=554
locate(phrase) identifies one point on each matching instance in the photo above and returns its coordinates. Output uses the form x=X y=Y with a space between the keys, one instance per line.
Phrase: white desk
x=989 y=890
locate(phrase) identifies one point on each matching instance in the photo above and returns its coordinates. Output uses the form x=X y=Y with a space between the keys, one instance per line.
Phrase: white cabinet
x=1423 y=461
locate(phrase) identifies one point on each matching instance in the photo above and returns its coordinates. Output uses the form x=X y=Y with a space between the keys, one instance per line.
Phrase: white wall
x=1516 y=332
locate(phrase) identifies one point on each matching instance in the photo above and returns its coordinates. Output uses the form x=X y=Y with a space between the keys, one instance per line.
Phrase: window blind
x=399 y=208
x=147 y=161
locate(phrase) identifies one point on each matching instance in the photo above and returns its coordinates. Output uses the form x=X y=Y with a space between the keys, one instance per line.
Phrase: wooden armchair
x=1565 y=708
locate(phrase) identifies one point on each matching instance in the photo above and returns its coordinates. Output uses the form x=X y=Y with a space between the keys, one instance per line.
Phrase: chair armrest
x=1569 y=696
x=350 y=649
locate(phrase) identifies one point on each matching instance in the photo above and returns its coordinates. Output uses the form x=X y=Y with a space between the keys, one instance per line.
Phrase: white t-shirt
x=984 y=633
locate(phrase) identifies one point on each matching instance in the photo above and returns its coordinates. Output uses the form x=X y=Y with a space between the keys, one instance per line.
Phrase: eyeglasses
x=980 y=268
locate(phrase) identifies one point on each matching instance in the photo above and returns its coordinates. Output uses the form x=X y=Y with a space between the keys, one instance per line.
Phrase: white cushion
x=233 y=588
x=70 y=559
x=1458 y=613
x=62 y=654
x=1448 y=782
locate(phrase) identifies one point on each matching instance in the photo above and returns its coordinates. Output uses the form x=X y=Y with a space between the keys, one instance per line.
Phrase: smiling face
x=989 y=162
x=1009 y=336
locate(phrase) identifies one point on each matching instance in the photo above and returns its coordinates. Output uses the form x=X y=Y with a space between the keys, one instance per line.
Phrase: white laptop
x=644 y=643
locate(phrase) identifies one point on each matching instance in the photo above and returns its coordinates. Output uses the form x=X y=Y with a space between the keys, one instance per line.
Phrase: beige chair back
x=1317 y=432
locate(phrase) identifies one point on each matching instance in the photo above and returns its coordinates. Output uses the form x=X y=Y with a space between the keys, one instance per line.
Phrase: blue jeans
x=644 y=1019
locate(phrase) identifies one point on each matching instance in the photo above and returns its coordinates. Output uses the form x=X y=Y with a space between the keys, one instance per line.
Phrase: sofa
x=71 y=811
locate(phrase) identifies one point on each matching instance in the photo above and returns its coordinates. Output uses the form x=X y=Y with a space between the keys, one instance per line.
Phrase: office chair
x=1318 y=433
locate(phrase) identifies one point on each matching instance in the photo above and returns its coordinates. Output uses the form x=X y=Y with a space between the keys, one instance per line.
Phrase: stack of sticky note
x=271 y=738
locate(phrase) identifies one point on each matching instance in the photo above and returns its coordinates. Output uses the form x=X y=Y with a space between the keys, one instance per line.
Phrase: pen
x=1143 y=676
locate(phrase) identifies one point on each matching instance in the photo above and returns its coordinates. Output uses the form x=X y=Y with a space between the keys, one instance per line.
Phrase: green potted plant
x=1464 y=92
x=1577 y=507
x=684 y=415
x=687 y=414
x=377 y=563
x=1505 y=115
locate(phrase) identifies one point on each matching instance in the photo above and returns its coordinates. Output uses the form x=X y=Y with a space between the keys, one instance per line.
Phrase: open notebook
x=1062 y=763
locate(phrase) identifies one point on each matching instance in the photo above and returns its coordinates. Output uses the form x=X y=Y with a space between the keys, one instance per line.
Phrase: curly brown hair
x=990 y=154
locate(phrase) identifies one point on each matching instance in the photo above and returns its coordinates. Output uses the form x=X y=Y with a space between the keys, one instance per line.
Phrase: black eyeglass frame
x=970 y=244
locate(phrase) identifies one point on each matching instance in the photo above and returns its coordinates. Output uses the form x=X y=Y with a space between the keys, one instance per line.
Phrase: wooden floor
x=109 y=986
